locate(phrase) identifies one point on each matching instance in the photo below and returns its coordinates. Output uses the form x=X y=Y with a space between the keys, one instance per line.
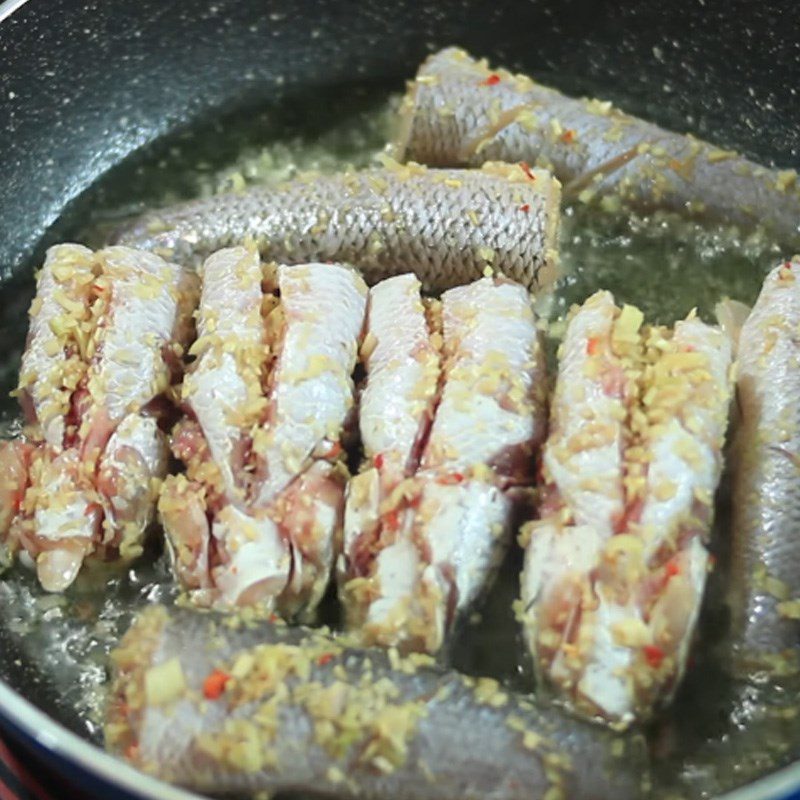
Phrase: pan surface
x=95 y=95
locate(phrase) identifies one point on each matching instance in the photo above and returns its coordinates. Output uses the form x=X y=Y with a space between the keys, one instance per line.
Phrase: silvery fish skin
x=256 y=519
x=449 y=226
x=461 y=389
x=459 y=112
x=765 y=579
x=107 y=333
x=221 y=709
x=616 y=565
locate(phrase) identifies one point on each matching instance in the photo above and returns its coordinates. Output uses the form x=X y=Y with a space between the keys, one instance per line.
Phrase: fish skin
x=448 y=226
x=615 y=567
x=429 y=518
x=766 y=492
x=452 y=117
x=417 y=731
x=107 y=331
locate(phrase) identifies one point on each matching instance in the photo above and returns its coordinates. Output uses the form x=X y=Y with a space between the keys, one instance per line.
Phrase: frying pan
x=86 y=86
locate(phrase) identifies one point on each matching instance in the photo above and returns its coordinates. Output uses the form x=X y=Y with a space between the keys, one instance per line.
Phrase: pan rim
x=69 y=747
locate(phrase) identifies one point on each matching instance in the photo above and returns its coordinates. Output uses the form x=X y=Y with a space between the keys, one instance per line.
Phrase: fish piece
x=129 y=475
x=257 y=518
x=140 y=308
x=107 y=332
x=54 y=361
x=448 y=226
x=223 y=708
x=459 y=112
x=491 y=410
x=322 y=308
x=428 y=519
x=765 y=560
x=223 y=390
x=402 y=361
x=615 y=567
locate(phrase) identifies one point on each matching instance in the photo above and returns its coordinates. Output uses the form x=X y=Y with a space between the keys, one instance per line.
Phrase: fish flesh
x=222 y=707
x=459 y=112
x=255 y=519
x=765 y=561
x=107 y=333
x=448 y=226
x=615 y=566
x=451 y=415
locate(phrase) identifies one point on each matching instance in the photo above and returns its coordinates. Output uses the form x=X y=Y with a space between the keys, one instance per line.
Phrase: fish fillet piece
x=459 y=112
x=256 y=519
x=447 y=226
x=322 y=307
x=765 y=562
x=223 y=391
x=55 y=355
x=396 y=405
x=428 y=519
x=615 y=566
x=141 y=309
x=230 y=709
x=107 y=333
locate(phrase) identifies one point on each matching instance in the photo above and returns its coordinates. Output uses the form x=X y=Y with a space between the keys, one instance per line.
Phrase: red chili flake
x=673 y=568
x=325 y=658
x=654 y=655
x=568 y=136
x=132 y=751
x=593 y=345
x=449 y=480
x=392 y=520
x=273 y=617
x=415 y=501
x=787 y=265
x=527 y=170
x=378 y=461
x=525 y=207
x=214 y=684
x=492 y=80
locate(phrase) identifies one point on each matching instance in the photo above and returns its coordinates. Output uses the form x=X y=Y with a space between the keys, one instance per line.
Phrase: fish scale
x=449 y=226
x=766 y=493
x=459 y=112
x=309 y=713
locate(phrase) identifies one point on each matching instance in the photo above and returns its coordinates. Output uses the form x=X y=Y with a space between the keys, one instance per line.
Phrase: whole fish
x=107 y=334
x=448 y=226
x=459 y=112
x=222 y=708
x=616 y=565
x=451 y=415
x=256 y=518
x=765 y=562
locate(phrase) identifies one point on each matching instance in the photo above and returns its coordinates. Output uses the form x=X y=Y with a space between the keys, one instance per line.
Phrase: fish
x=108 y=330
x=765 y=557
x=222 y=706
x=448 y=226
x=256 y=519
x=459 y=112
x=451 y=415
x=615 y=565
